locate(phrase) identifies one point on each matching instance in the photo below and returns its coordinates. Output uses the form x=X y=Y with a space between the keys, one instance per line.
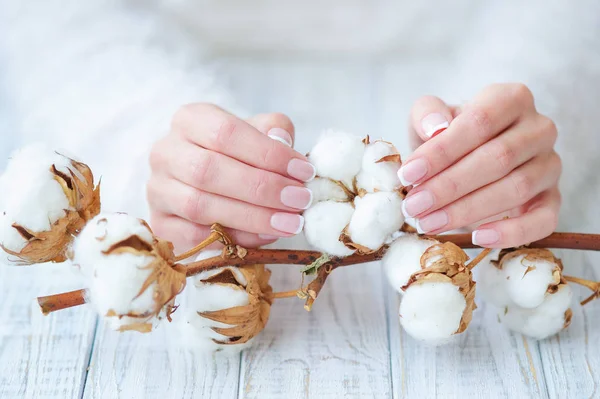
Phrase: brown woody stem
x=299 y=257
x=592 y=285
x=315 y=286
x=52 y=303
x=285 y=294
x=217 y=233
x=479 y=258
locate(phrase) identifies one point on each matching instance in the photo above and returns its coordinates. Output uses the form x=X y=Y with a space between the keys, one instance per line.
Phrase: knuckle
x=451 y=187
x=548 y=127
x=194 y=205
x=441 y=152
x=157 y=156
x=182 y=116
x=270 y=154
x=523 y=186
x=281 y=120
x=222 y=136
x=259 y=187
x=504 y=156
x=480 y=121
x=201 y=168
x=521 y=93
x=519 y=234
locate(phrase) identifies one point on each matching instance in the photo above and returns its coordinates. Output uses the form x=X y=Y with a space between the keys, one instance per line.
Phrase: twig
x=299 y=257
x=217 y=233
x=52 y=303
x=592 y=285
x=285 y=294
x=479 y=258
x=315 y=286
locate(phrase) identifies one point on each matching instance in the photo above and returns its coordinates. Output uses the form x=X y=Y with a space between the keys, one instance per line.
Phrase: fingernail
x=432 y=222
x=301 y=170
x=267 y=237
x=287 y=222
x=280 y=135
x=433 y=124
x=485 y=237
x=417 y=203
x=412 y=171
x=296 y=197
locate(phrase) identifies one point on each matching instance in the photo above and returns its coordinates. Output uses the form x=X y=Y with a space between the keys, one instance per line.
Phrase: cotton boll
x=527 y=281
x=130 y=277
x=324 y=223
x=324 y=189
x=337 y=155
x=548 y=319
x=403 y=258
x=376 y=217
x=379 y=176
x=227 y=308
x=432 y=312
x=492 y=284
x=47 y=198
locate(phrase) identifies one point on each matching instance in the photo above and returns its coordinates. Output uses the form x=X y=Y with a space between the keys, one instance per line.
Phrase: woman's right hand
x=216 y=168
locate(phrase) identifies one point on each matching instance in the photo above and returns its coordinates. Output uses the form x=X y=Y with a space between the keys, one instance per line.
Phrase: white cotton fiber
x=323 y=225
x=544 y=321
x=382 y=176
x=337 y=155
x=324 y=189
x=491 y=283
x=527 y=281
x=30 y=196
x=431 y=312
x=376 y=217
x=114 y=280
x=403 y=258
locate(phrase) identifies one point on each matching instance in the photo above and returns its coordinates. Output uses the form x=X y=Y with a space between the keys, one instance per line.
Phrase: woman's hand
x=494 y=159
x=216 y=168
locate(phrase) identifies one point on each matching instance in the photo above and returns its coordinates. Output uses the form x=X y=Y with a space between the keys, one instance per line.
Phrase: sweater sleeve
x=554 y=48
x=100 y=80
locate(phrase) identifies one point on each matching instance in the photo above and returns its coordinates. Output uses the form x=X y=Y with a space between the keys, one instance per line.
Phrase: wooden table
x=349 y=346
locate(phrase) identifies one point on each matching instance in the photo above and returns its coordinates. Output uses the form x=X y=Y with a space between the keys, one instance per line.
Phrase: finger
x=491 y=112
x=175 y=198
x=492 y=161
x=275 y=125
x=216 y=173
x=538 y=222
x=185 y=234
x=516 y=189
x=428 y=117
x=212 y=128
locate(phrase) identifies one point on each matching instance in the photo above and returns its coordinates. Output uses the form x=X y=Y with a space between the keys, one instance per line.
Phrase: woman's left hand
x=491 y=158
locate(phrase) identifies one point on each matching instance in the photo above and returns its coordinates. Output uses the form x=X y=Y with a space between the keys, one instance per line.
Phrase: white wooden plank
x=41 y=356
x=486 y=360
x=340 y=349
x=134 y=365
x=571 y=360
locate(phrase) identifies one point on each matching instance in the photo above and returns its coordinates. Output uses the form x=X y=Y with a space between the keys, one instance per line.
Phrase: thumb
x=429 y=116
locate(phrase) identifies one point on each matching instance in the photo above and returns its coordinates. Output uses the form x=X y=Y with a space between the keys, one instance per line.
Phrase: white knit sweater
x=102 y=78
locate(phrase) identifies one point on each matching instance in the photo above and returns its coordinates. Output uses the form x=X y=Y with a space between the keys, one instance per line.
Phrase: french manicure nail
x=280 y=135
x=267 y=237
x=433 y=124
x=433 y=221
x=301 y=170
x=287 y=222
x=412 y=171
x=417 y=203
x=296 y=197
x=485 y=237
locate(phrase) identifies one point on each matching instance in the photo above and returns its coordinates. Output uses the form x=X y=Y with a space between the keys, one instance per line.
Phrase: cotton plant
x=221 y=301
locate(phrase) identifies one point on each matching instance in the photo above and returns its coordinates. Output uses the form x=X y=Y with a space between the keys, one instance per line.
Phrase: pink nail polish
x=433 y=124
x=287 y=222
x=280 y=135
x=485 y=237
x=433 y=221
x=411 y=172
x=296 y=197
x=301 y=170
x=417 y=203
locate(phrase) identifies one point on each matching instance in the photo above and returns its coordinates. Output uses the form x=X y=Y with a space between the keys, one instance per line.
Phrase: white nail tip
x=301 y=225
x=474 y=237
x=280 y=139
x=403 y=180
x=418 y=226
x=406 y=215
x=436 y=128
x=310 y=201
